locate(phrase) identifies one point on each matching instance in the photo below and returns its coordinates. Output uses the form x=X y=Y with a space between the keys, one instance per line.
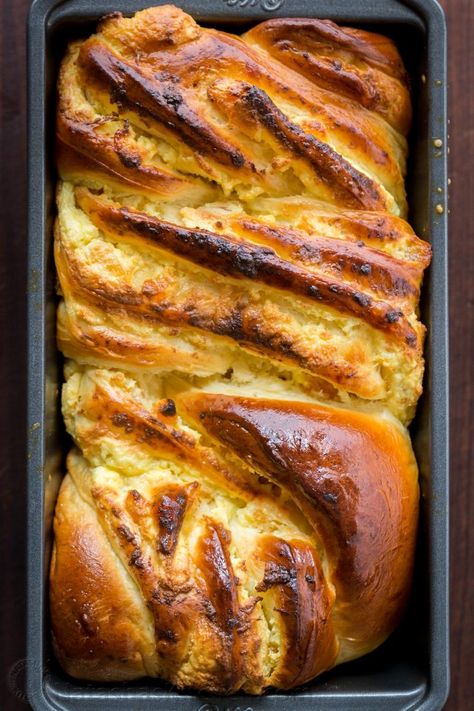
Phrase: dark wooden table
x=460 y=15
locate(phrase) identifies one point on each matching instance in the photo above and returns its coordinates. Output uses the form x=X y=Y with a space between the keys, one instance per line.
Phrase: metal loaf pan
x=410 y=671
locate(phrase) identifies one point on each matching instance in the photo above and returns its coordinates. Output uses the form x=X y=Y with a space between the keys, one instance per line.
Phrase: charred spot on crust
x=148 y=432
x=117 y=94
x=173 y=98
x=361 y=299
x=364 y=269
x=168 y=408
x=126 y=533
x=136 y=559
x=237 y=159
x=136 y=495
x=232 y=325
x=393 y=316
x=121 y=419
x=169 y=510
x=275 y=574
x=167 y=634
x=209 y=609
x=129 y=160
x=164 y=76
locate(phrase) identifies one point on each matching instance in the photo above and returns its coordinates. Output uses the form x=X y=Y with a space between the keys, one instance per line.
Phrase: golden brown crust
x=362 y=66
x=88 y=596
x=264 y=321
x=293 y=582
x=338 y=466
x=353 y=477
x=83 y=153
x=239 y=297
x=243 y=260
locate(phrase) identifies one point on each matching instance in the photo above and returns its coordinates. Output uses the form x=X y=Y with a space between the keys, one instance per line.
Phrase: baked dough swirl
x=239 y=294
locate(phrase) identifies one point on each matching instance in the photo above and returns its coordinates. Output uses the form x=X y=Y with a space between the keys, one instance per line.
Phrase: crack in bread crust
x=239 y=313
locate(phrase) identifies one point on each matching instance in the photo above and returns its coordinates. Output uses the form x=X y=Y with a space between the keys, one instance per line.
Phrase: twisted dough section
x=242 y=543
x=239 y=310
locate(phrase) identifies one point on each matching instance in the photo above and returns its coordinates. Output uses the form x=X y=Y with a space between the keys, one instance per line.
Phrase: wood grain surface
x=460 y=14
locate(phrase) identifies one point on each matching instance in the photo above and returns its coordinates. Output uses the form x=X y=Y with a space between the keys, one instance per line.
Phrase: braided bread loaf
x=239 y=314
